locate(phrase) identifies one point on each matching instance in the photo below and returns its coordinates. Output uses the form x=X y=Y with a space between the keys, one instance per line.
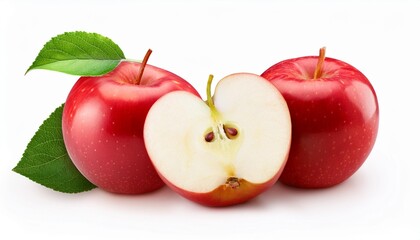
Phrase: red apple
x=103 y=122
x=335 y=117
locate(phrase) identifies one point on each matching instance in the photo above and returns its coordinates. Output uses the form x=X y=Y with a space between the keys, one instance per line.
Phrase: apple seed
x=209 y=137
x=231 y=132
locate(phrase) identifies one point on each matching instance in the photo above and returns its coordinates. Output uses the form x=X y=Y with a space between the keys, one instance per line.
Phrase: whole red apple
x=103 y=122
x=335 y=117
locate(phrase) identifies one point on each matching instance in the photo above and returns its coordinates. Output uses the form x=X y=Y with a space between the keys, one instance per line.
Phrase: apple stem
x=321 y=58
x=142 y=67
x=210 y=102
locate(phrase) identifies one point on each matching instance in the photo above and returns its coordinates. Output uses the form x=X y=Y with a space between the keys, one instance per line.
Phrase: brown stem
x=321 y=58
x=143 y=66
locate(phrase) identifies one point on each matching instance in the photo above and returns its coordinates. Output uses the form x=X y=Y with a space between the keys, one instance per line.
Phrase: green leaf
x=79 y=53
x=47 y=162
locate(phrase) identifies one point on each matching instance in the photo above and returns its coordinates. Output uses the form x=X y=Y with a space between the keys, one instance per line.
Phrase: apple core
x=220 y=132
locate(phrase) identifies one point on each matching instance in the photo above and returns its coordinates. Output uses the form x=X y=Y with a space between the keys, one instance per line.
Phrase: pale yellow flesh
x=177 y=123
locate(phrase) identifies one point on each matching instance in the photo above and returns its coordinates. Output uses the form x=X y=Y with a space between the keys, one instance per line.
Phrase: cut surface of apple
x=225 y=150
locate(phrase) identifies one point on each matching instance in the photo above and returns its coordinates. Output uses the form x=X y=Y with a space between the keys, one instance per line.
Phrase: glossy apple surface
x=335 y=119
x=103 y=122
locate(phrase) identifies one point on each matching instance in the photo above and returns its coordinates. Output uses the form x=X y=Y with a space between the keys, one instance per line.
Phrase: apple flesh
x=103 y=123
x=335 y=117
x=224 y=151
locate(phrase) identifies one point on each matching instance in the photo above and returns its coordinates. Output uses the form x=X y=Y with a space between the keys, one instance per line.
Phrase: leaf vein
x=44 y=163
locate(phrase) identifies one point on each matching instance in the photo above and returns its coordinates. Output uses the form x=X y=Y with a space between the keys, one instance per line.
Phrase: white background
x=194 y=39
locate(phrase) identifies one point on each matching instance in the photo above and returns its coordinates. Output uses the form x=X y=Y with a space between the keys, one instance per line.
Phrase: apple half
x=225 y=150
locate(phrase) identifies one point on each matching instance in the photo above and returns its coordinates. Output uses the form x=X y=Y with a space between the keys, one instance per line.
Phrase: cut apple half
x=225 y=150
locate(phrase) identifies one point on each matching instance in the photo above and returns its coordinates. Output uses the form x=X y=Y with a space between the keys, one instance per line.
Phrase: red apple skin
x=334 y=120
x=103 y=121
x=224 y=195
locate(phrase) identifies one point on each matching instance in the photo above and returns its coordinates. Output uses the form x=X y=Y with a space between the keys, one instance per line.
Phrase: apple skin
x=225 y=196
x=103 y=121
x=335 y=120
